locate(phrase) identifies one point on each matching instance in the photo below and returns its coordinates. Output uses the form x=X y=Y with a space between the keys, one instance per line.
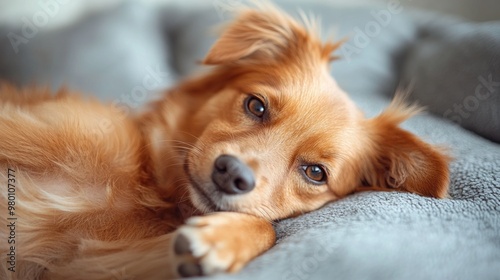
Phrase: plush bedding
x=371 y=235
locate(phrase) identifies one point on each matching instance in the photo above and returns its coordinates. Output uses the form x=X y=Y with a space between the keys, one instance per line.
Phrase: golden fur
x=101 y=195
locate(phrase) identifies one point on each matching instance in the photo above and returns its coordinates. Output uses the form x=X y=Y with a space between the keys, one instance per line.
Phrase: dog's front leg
x=219 y=242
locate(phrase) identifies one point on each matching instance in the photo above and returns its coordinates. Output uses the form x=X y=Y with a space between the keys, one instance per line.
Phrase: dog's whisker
x=267 y=215
x=187 y=144
x=185 y=195
x=197 y=138
x=180 y=183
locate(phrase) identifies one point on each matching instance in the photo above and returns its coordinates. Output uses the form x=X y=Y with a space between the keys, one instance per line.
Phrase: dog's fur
x=104 y=196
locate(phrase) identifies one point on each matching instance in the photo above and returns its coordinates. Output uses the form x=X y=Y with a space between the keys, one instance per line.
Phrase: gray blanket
x=370 y=235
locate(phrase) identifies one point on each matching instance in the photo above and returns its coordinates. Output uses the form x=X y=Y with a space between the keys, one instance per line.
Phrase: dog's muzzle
x=232 y=176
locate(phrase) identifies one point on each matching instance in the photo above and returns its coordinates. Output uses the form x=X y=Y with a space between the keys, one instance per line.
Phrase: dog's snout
x=232 y=176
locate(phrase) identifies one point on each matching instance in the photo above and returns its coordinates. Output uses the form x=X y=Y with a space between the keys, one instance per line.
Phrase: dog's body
x=267 y=134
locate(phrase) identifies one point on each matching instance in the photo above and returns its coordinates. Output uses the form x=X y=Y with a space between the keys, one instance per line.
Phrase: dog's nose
x=232 y=176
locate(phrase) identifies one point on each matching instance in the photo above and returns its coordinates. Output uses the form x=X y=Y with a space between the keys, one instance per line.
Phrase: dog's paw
x=213 y=244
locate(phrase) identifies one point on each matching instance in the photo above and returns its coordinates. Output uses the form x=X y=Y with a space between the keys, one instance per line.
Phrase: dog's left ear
x=397 y=159
x=266 y=33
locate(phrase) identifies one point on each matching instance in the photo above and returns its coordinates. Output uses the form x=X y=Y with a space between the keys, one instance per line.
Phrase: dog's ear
x=266 y=33
x=253 y=34
x=400 y=160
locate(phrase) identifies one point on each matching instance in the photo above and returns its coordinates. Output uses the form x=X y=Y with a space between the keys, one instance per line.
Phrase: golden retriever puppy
x=191 y=186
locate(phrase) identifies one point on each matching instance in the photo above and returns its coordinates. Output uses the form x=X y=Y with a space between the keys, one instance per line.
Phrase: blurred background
x=477 y=10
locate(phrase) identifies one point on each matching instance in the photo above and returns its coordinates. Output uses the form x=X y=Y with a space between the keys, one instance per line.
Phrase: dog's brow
x=273 y=99
x=327 y=156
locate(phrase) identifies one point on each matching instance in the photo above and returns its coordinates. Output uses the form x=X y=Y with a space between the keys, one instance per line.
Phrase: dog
x=192 y=185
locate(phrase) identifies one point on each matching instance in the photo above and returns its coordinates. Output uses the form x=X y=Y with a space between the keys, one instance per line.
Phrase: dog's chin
x=205 y=201
x=200 y=200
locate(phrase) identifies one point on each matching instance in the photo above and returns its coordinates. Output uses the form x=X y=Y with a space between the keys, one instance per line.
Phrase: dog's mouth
x=203 y=201
x=207 y=204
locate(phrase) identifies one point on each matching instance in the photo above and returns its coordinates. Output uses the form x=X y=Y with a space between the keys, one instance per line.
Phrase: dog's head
x=275 y=136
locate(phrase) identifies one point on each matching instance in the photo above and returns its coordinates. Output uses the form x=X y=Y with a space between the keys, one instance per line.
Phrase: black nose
x=232 y=176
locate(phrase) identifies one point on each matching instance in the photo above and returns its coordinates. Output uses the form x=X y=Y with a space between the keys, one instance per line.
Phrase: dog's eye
x=255 y=106
x=314 y=173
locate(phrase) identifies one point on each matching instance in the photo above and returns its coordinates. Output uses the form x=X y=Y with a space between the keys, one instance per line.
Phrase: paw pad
x=182 y=245
x=189 y=270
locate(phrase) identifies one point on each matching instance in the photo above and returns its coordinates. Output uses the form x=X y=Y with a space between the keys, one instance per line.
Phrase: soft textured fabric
x=455 y=72
x=370 y=235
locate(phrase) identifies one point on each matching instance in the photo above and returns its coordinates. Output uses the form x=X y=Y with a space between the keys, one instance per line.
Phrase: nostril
x=221 y=169
x=221 y=164
x=242 y=185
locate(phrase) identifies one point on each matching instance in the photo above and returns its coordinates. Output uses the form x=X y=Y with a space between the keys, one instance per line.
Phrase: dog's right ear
x=267 y=34
x=254 y=34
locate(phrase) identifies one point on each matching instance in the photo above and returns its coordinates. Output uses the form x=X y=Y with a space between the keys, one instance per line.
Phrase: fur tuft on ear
x=266 y=33
x=398 y=110
x=399 y=160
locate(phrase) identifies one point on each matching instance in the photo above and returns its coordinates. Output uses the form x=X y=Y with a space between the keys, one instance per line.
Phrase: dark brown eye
x=314 y=173
x=255 y=106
